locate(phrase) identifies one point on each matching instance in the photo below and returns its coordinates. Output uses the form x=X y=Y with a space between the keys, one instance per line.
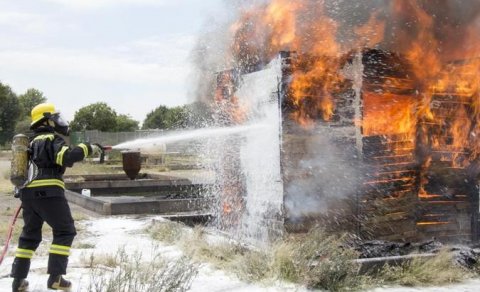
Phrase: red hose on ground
x=10 y=232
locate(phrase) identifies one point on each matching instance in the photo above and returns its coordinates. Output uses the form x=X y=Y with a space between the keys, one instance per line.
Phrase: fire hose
x=10 y=232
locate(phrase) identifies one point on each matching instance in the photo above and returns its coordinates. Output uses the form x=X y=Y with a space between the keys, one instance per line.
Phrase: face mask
x=61 y=126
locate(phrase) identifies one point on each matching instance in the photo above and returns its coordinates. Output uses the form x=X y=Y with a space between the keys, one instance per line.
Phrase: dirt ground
x=7 y=202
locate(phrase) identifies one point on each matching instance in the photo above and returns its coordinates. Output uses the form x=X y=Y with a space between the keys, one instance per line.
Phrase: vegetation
x=100 y=116
x=438 y=270
x=192 y=115
x=316 y=260
x=165 y=118
x=124 y=123
x=29 y=100
x=15 y=115
x=5 y=184
x=83 y=168
x=168 y=231
x=128 y=273
x=4 y=228
x=9 y=112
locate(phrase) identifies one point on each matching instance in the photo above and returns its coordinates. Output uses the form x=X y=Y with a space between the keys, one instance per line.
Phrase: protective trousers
x=56 y=212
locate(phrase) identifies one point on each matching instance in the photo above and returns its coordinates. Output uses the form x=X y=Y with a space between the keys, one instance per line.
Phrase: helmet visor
x=59 y=120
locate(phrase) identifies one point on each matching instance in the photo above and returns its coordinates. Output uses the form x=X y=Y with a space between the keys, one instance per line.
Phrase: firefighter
x=43 y=198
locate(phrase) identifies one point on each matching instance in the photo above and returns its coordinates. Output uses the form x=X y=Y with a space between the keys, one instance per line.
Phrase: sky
x=132 y=54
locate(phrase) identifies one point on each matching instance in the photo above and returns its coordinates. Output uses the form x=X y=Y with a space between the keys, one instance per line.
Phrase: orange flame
x=437 y=103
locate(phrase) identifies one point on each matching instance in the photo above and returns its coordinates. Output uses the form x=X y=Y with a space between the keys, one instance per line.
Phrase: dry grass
x=83 y=245
x=6 y=186
x=78 y=216
x=4 y=227
x=439 y=270
x=129 y=273
x=316 y=260
x=166 y=231
x=105 y=260
x=84 y=168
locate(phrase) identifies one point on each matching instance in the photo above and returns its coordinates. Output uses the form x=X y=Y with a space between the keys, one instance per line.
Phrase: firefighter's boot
x=57 y=282
x=19 y=285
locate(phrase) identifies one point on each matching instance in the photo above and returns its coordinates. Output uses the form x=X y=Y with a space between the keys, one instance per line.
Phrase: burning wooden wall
x=389 y=132
x=414 y=180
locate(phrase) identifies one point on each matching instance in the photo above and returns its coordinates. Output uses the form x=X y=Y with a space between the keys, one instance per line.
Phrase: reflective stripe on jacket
x=51 y=156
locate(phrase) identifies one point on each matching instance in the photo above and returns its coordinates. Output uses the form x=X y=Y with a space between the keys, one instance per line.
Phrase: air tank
x=19 y=166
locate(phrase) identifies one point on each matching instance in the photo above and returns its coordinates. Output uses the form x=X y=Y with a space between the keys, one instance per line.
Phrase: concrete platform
x=138 y=205
x=144 y=185
x=115 y=194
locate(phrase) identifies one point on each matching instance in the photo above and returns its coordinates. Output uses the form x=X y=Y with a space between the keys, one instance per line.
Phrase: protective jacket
x=49 y=157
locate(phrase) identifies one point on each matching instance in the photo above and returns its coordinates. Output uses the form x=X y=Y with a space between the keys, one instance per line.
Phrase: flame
x=388 y=114
x=280 y=16
x=434 y=105
x=234 y=110
x=311 y=88
x=427 y=223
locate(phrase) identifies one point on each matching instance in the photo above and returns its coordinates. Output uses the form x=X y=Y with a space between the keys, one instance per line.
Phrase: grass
x=4 y=227
x=78 y=216
x=316 y=260
x=6 y=186
x=105 y=260
x=129 y=273
x=84 y=168
x=439 y=270
x=83 y=245
x=167 y=231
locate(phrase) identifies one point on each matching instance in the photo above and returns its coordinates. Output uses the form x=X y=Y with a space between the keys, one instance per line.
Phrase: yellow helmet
x=39 y=111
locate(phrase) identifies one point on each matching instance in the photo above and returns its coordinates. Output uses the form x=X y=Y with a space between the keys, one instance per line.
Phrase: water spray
x=186 y=135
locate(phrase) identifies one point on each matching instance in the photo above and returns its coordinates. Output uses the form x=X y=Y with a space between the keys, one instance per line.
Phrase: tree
x=96 y=116
x=156 y=118
x=29 y=100
x=166 y=118
x=126 y=124
x=9 y=113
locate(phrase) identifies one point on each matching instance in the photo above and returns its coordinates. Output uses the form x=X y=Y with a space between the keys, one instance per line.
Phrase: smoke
x=327 y=173
x=212 y=52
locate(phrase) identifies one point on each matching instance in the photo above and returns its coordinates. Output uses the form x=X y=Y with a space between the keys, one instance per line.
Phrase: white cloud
x=84 y=65
x=24 y=22
x=89 y=4
x=152 y=70
x=159 y=50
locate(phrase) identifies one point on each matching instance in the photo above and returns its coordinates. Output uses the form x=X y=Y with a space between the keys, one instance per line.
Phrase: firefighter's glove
x=97 y=149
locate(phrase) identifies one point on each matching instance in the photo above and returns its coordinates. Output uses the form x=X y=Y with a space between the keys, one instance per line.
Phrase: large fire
x=408 y=27
x=435 y=103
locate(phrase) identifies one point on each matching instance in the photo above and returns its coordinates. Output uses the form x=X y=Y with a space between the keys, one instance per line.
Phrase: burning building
x=377 y=108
